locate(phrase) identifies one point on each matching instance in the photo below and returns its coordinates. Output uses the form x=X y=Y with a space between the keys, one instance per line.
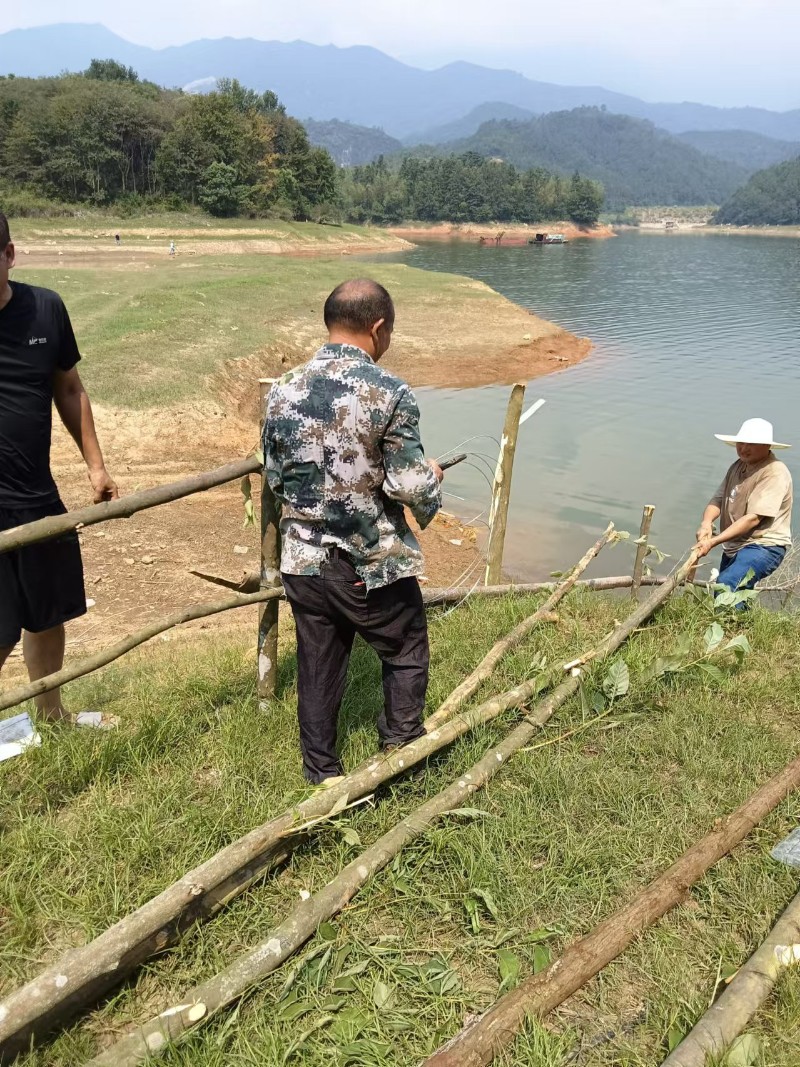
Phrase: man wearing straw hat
x=754 y=508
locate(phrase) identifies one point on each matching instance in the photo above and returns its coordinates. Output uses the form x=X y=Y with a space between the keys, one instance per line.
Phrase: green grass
x=91 y=225
x=92 y=825
x=151 y=337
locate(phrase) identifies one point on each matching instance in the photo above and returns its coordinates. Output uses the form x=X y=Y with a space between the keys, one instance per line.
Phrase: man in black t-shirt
x=41 y=585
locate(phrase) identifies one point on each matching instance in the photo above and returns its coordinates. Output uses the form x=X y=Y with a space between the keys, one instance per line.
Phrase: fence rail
x=56 y=525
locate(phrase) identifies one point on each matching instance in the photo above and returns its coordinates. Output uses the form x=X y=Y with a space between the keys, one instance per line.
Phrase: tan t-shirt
x=763 y=489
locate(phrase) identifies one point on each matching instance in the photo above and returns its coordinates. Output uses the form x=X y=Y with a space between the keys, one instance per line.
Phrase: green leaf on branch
x=745 y=1051
x=738 y=645
x=713 y=637
x=618 y=680
x=541 y=958
x=509 y=967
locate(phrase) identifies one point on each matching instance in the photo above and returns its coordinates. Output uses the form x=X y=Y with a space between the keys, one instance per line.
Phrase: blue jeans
x=760 y=559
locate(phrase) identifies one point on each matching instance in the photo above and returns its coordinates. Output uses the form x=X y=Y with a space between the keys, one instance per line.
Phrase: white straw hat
x=753 y=432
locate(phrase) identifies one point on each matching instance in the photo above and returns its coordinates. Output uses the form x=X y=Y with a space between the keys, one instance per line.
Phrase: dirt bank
x=513 y=234
x=77 y=253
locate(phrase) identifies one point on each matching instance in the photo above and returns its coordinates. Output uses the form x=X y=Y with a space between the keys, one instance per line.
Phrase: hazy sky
x=717 y=51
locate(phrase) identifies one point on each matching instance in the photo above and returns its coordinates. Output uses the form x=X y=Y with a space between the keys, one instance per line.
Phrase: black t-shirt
x=36 y=340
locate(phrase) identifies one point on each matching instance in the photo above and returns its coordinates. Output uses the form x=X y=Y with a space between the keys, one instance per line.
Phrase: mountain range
x=359 y=84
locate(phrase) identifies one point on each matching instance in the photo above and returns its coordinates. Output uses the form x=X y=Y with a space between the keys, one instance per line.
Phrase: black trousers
x=329 y=610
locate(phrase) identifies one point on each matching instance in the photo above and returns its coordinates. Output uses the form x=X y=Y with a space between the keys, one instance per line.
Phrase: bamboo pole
x=725 y=1020
x=125 y=506
x=269 y=578
x=47 y=1001
x=204 y=1001
x=641 y=549
x=479 y=1042
x=113 y=652
x=501 y=490
x=487 y=665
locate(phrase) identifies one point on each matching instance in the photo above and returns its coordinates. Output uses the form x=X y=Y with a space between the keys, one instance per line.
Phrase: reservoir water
x=692 y=333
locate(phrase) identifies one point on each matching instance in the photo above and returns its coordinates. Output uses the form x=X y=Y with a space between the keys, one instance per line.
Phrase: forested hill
x=637 y=163
x=770 y=198
x=349 y=144
x=750 y=150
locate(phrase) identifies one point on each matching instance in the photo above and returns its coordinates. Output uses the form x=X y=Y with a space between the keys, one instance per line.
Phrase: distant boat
x=548 y=239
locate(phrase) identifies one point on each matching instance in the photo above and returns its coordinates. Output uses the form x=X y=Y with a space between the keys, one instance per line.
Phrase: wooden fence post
x=641 y=549
x=270 y=578
x=501 y=490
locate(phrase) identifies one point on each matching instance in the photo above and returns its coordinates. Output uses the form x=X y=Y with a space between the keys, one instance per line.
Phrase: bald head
x=357 y=304
x=360 y=312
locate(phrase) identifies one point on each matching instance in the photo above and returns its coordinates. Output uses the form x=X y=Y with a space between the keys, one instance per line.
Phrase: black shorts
x=41 y=585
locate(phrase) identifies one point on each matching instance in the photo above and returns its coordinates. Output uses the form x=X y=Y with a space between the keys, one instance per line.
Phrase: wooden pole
x=108 y=655
x=453 y=594
x=55 y=525
x=480 y=1041
x=727 y=1018
x=501 y=490
x=270 y=578
x=641 y=549
x=198 y=1005
x=47 y=1002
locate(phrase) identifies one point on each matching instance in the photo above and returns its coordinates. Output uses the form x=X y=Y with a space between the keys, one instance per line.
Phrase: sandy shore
x=513 y=233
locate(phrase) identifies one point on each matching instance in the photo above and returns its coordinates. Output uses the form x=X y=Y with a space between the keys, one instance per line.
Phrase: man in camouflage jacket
x=343 y=457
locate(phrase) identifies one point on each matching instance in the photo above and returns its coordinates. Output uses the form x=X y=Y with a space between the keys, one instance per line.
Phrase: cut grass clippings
x=92 y=825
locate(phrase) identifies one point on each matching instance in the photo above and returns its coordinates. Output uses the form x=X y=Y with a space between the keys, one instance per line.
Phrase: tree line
x=467 y=188
x=106 y=138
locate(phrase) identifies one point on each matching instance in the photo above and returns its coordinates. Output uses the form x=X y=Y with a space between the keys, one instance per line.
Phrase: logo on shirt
x=37 y=341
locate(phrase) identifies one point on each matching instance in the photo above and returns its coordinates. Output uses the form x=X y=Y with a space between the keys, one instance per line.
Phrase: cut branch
x=206 y=1000
x=486 y=667
x=92 y=969
x=108 y=655
x=478 y=1043
x=725 y=1020
x=55 y=525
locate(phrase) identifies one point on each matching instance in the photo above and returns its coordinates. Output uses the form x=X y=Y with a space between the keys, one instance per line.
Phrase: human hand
x=103 y=485
x=705 y=531
x=703 y=546
x=437 y=470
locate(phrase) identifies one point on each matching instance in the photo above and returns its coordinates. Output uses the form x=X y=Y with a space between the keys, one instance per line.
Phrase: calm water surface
x=692 y=334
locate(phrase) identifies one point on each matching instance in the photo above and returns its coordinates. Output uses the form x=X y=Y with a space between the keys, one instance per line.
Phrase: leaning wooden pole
x=727 y=1018
x=55 y=525
x=92 y=969
x=501 y=490
x=114 y=652
x=270 y=578
x=201 y=1003
x=479 y=1042
x=486 y=667
x=641 y=549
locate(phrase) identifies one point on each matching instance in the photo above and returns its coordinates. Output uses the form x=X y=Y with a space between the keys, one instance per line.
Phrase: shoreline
x=706 y=228
x=513 y=233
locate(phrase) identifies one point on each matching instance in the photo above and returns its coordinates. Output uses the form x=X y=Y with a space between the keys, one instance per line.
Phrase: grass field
x=153 y=333
x=92 y=825
x=178 y=225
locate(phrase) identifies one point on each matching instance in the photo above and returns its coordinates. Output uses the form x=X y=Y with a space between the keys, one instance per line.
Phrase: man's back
x=343 y=456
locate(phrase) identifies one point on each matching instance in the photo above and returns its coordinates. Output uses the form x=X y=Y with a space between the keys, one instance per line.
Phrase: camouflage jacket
x=342 y=454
